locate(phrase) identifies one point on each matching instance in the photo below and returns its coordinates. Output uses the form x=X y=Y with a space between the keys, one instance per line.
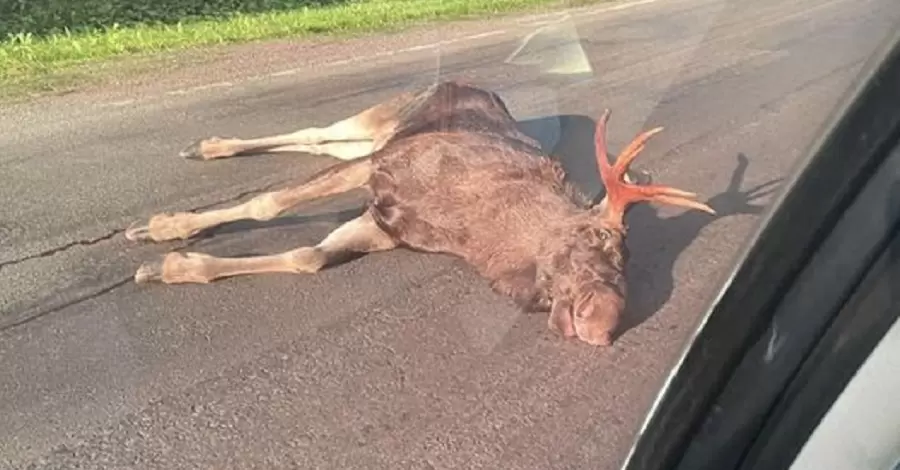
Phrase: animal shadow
x=339 y=217
x=656 y=242
x=569 y=139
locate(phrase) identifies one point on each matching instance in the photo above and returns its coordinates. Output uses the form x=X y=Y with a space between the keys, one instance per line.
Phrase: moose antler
x=619 y=193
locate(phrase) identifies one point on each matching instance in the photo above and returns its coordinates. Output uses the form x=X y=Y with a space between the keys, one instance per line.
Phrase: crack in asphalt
x=113 y=233
x=59 y=249
x=40 y=310
x=4 y=326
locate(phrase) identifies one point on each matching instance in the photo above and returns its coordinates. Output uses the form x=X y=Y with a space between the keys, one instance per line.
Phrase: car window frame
x=866 y=126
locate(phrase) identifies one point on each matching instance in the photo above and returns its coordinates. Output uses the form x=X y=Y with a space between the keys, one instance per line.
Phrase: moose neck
x=585 y=228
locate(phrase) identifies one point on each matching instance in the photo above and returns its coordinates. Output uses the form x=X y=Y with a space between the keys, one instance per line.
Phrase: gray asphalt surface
x=394 y=360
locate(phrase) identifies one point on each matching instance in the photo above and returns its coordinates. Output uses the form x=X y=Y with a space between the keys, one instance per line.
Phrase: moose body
x=448 y=171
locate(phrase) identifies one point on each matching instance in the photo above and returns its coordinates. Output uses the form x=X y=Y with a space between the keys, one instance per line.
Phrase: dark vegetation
x=45 y=17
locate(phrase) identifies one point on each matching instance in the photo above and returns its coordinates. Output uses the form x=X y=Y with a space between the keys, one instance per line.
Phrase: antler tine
x=684 y=202
x=620 y=194
x=655 y=190
x=600 y=142
x=634 y=148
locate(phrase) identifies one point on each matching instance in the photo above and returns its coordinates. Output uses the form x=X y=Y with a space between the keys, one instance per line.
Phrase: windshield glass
x=130 y=131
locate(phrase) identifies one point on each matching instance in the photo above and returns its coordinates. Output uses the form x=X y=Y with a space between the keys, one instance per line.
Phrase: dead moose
x=448 y=171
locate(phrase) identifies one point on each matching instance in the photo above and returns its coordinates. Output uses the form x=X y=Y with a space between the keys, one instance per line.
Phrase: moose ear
x=560 y=319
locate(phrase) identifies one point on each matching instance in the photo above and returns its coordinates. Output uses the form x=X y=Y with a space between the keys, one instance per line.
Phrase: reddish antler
x=619 y=194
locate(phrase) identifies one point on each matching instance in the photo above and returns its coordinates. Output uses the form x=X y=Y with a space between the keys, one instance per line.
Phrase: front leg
x=521 y=285
x=337 y=179
x=303 y=142
x=360 y=235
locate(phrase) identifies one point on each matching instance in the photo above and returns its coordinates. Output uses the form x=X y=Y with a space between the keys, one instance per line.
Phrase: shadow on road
x=656 y=243
x=337 y=217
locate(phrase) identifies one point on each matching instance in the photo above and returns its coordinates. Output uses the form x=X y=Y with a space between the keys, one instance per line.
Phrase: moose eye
x=603 y=236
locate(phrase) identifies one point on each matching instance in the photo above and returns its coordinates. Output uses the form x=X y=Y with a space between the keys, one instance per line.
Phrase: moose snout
x=593 y=333
x=596 y=323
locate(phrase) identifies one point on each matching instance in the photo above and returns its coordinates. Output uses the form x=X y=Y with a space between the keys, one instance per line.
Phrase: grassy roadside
x=29 y=65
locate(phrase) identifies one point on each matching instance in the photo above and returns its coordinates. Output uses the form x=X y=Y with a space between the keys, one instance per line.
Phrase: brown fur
x=450 y=172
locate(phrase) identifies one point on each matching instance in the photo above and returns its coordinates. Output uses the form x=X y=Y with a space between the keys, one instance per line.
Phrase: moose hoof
x=193 y=151
x=137 y=232
x=208 y=149
x=149 y=272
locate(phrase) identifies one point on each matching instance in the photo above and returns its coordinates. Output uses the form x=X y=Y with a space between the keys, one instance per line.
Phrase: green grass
x=29 y=64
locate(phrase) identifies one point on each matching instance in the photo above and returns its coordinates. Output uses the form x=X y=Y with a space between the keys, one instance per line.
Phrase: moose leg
x=362 y=133
x=360 y=235
x=341 y=150
x=337 y=179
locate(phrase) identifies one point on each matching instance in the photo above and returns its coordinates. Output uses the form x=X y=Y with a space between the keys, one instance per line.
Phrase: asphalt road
x=394 y=360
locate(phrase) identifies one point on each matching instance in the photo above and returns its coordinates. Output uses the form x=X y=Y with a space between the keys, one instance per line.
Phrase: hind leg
x=337 y=179
x=363 y=134
x=360 y=235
